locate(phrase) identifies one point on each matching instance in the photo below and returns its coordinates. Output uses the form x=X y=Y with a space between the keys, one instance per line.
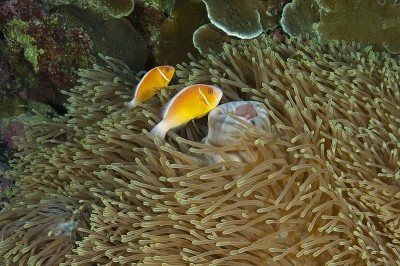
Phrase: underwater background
x=297 y=165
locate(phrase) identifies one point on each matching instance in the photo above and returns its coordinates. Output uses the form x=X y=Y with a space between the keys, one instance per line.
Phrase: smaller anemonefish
x=191 y=102
x=152 y=82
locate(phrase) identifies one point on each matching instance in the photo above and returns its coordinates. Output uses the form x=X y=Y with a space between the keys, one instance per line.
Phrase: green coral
x=16 y=33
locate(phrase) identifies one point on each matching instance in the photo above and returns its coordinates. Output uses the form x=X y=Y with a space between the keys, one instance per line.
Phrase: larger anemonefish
x=191 y=102
x=152 y=82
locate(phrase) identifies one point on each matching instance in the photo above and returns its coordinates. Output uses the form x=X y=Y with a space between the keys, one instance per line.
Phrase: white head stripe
x=162 y=74
x=204 y=97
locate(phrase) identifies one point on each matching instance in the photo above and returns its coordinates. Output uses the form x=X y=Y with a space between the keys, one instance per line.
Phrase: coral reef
x=6 y=187
x=24 y=10
x=163 y=5
x=106 y=8
x=375 y=23
x=54 y=51
x=20 y=113
x=300 y=18
x=244 y=19
x=39 y=51
x=209 y=37
x=188 y=26
x=235 y=17
x=114 y=37
x=94 y=187
x=147 y=20
x=175 y=40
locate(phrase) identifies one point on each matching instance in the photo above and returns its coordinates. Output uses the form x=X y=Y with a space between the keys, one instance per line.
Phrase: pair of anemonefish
x=191 y=102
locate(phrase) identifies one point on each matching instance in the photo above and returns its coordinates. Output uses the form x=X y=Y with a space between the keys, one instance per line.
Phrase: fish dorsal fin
x=204 y=97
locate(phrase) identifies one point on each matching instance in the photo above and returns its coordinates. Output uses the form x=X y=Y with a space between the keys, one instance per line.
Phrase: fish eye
x=167 y=70
x=210 y=91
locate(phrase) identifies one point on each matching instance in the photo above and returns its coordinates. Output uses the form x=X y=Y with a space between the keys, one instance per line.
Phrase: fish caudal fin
x=160 y=129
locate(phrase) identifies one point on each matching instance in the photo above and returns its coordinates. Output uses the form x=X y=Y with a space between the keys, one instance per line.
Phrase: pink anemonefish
x=151 y=83
x=191 y=102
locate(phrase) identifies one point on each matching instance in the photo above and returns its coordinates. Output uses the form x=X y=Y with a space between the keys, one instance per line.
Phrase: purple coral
x=25 y=10
x=65 y=50
x=8 y=9
x=43 y=52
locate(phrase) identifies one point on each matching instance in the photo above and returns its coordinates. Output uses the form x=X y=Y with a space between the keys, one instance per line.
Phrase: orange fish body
x=191 y=102
x=151 y=83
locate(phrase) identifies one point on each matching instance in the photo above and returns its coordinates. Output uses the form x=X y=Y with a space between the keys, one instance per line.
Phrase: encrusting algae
x=322 y=189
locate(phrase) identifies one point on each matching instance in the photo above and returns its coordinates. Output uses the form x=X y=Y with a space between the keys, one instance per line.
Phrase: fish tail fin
x=131 y=105
x=160 y=129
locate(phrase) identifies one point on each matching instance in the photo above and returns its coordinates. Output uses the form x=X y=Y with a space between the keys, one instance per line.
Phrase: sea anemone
x=228 y=126
x=322 y=187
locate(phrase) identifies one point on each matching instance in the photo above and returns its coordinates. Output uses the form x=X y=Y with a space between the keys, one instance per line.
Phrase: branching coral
x=322 y=189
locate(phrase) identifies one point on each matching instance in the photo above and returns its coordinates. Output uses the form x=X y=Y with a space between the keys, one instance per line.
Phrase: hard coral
x=300 y=18
x=175 y=40
x=209 y=37
x=323 y=188
x=238 y=18
x=375 y=23
x=244 y=19
x=106 y=8
x=42 y=53
x=147 y=20
x=115 y=37
x=24 y=10
x=163 y=5
x=64 y=50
